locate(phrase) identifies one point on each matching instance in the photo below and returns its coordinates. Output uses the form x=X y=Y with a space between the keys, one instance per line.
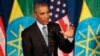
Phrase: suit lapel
x=51 y=37
x=39 y=35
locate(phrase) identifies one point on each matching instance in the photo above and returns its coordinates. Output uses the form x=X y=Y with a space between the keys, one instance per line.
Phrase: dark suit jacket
x=34 y=45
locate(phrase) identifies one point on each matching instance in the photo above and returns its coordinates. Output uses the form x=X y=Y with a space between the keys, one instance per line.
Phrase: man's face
x=42 y=14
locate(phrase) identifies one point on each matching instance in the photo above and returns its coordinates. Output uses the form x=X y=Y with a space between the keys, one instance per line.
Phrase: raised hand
x=69 y=33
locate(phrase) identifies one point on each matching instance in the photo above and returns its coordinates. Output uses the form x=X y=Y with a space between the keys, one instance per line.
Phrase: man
x=36 y=43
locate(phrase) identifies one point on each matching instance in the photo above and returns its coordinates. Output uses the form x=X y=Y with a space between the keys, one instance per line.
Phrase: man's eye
x=41 y=13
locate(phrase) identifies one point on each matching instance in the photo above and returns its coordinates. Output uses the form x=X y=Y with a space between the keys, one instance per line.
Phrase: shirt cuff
x=70 y=39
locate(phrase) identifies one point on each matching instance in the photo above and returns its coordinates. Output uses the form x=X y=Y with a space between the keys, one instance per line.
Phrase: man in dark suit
x=36 y=43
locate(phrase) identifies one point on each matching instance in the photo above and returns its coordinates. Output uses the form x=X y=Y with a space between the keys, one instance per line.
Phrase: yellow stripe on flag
x=16 y=12
x=85 y=13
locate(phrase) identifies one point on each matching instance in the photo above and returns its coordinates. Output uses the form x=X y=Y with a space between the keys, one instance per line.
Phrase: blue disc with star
x=87 y=38
x=14 y=45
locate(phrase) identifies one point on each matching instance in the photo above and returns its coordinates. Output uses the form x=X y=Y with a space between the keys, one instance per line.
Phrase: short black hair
x=39 y=4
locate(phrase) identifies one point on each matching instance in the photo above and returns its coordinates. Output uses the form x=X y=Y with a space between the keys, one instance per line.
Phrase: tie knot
x=44 y=27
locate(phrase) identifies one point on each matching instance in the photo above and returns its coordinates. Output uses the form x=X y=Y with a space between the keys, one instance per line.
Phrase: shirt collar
x=40 y=25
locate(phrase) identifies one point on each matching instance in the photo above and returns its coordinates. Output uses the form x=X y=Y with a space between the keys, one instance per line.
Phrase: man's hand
x=69 y=31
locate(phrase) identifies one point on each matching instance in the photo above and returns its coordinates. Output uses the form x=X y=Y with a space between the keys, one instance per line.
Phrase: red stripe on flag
x=2 y=38
x=65 y=54
x=1 y=52
x=1 y=25
x=62 y=24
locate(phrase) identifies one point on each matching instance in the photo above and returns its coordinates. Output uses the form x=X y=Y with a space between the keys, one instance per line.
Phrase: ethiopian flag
x=87 y=37
x=20 y=18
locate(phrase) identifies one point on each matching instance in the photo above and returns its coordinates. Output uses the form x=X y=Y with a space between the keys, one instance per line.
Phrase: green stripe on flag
x=94 y=7
x=26 y=7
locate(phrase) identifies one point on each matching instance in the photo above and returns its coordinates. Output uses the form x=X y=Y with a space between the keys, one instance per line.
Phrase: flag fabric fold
x=2 y=36
x=65 y=12
x=20 y=18
x=87 y=37
x=59 y=14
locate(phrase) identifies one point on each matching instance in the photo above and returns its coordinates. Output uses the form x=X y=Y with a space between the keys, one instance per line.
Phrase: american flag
x=58 y=13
